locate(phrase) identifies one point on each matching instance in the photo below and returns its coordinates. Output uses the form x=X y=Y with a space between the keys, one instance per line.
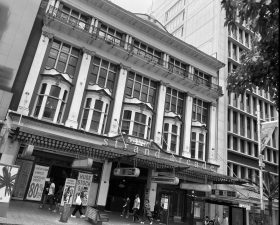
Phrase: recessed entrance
x=123 y=187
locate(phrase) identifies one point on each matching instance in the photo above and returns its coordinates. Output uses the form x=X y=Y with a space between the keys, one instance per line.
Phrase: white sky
x=135 y=6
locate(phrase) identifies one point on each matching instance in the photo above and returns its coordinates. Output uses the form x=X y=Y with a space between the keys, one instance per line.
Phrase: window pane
x=50 y=108
x=95 y=121
x=98 y=105
x=38 y=106
x=55 y=90
x=127 y=114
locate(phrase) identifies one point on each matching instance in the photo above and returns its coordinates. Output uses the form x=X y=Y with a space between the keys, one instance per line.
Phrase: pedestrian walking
x=57 y=198
x=147 y=212
x=135 y=208
x=49 y=198
x=206 y=222
x=125 y=211
x=80 y=200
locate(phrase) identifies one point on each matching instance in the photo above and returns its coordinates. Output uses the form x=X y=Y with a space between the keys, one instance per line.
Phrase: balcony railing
x=97 y=33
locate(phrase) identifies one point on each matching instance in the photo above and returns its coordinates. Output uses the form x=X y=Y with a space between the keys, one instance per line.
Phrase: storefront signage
x=127 y=172
x=68 y=192
x=82 y=163
x=165 y=180
x=37 y=183
x=23 y=178
x=146 y=148
x=8 y=175
x=84 y=181
x=246 y=206
x=196 y=187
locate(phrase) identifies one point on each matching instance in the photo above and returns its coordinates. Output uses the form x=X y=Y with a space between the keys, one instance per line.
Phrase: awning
x=76 y=144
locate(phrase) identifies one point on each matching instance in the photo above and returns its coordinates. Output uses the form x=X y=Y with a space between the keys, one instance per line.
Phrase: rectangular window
x=256 y=150
x=268 y=153
x=234 y=170
x=201 y=146
x=103 y=73
x=250 y=174
x=139 y=125
x=141 y=88
x=248 y=104
x=249 y=135
x=110 y=34
x=249 y=149
x=200 y=111
x=193 y=144
x=247 y=40
x=63 y=57
x=241 y=102
x=178 y=67
x=75 y=18
x=234 y=143
x=229 y=141
x=240 y=36
x=242 y=125
x=202 y=78
x=255 y=129
x=242 y=146
x=242 y=172
x=234 y=122
x=229 y=120
x=234 y=52
x=147 y=52
x=174 y=101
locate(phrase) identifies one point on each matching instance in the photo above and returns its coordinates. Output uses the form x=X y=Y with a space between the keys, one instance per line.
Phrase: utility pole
x=261 y=164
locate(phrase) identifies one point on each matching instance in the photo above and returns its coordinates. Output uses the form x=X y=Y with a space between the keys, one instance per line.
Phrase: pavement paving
x=29 y=213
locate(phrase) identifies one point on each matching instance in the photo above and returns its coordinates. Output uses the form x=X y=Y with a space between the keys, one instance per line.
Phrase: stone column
x=152 y=189
x=118 y=101
x=104 y=184
x=187 y=129
x=160 y=114
x=29 y=87
x=72 y=120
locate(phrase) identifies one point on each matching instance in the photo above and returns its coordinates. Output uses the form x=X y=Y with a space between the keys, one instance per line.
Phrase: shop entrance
x=122 y=187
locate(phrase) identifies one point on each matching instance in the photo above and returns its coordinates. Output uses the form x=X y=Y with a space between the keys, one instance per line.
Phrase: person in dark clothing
x=157 y=211
x=147 y=211
x=80 y=200
x=125 y=211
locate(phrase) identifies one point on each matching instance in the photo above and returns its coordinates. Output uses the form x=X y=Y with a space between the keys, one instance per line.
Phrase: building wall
x=204 y=28
x=17 y=18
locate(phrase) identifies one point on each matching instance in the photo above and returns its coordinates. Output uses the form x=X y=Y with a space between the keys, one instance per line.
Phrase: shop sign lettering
x=145 y=149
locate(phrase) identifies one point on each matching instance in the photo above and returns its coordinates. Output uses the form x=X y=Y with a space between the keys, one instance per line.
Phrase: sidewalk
x=28 y=213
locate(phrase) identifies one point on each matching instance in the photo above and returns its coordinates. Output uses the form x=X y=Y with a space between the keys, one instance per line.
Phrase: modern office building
x=201 y=23
x=101 y=89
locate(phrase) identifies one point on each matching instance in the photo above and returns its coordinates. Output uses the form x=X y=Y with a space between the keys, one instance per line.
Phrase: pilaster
x=118 y=101
x=212 y=133
x=24 y=104
x=160 y=114
x=75 y=107
x=187 y=129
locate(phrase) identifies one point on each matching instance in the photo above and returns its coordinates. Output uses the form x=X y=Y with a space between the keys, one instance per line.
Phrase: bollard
x=65 y=213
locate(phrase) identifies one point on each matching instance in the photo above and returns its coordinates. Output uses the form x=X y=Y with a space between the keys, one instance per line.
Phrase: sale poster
x=68 y=191
x=84 y=181
x=37 y=183
x=8 y=175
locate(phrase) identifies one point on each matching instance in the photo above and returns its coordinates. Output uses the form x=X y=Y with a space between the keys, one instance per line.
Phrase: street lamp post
x=261 y=164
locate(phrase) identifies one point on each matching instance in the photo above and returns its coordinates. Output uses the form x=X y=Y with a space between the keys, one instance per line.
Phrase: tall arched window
x=51 y=100
x=95 y=113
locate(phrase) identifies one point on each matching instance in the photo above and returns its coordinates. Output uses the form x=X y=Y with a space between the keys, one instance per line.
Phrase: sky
x=135 y=6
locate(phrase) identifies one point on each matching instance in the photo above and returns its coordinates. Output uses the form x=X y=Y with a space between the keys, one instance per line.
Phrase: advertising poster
x=22 y=179
x=84 y=180
x=37 y=183
x=68 y=191
x=8 y=175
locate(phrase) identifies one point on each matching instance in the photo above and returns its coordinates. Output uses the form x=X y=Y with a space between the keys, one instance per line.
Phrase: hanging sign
x=165 y=180
x=82 y=163
x=196 y=187
x=127 y=172
x=84 y=181
x=37 y=183
x=68 y=192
